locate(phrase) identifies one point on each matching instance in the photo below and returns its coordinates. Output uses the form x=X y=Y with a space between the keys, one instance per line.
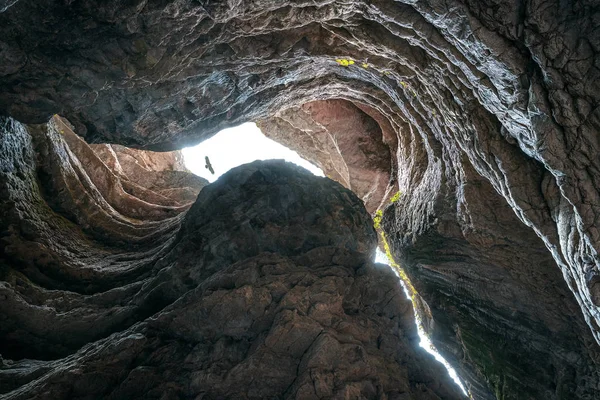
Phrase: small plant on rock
x=344 y=62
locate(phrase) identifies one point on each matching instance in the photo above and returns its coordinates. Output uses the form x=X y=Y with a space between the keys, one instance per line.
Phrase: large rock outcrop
x=491 y=110
x=496 y=305
x=499 y=309
x=267 y=290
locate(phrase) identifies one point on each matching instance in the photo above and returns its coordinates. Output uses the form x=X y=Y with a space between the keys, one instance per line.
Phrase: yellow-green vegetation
x=344 y=62
x=377 y=219
x=418 y=306
x=405 y=86
x=409 y=286
x=365 y=65
x=386 y=247
x=395 y=197
x=399 y=270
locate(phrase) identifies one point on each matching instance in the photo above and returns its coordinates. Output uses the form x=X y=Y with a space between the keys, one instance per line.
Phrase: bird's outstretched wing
x=208 y=165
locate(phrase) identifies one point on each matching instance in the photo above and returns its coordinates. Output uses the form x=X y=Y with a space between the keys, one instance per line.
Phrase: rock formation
x=484 y=115
x=267 y=290
x=345 y=141
x=75 y=237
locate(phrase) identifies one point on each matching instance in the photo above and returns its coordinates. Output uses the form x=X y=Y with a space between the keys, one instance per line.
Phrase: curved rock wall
x=499 y=309
x=345 y=142
x=496 y=305
x=494 y=105
x=76 y=243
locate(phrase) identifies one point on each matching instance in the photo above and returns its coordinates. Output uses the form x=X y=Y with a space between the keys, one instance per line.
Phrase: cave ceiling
x=484 y=115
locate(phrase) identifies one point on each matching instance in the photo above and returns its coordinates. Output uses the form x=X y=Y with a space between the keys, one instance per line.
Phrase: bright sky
x=425 y=342
x=246 y=143
x=236 y=146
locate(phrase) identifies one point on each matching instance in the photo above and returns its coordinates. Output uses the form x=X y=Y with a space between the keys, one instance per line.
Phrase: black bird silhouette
x=208 y=165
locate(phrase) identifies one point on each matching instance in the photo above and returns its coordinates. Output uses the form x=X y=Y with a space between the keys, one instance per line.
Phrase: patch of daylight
x=425 y=342
x=236 y=146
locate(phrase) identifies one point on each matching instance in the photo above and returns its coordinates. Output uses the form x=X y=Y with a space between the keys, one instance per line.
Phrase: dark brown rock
x=265 y=327
x=75 y=244
x=268 y=291
x=496 y=300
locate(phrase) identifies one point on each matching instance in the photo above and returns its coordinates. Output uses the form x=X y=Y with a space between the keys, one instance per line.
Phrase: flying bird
x=208 y=165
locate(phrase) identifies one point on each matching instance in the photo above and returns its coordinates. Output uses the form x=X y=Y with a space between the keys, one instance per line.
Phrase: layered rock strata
x=344 y=141
x=75 y=237
x=495 y=305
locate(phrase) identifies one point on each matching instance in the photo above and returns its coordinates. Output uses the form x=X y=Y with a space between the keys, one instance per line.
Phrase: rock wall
x=496 y=305
x=494 y=109
x=499 y=308
x=265 y=289
x=75 y=238
x=345 y=142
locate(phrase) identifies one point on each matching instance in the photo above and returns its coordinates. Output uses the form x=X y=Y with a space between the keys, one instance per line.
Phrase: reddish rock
x=492 y=109
x=345 y=142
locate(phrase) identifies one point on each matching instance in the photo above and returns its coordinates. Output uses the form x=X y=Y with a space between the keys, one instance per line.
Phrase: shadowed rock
x=268 y=290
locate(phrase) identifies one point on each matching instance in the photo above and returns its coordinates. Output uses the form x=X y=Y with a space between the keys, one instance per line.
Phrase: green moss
x=386 y=247
x=499 y=365
x=388 y=252
x=477 y=345
x=396 y=197
x=418 y=307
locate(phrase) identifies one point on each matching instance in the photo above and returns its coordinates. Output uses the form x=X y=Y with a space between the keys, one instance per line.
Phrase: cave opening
x=235 y=146
x=425 y=343
x=472 y=127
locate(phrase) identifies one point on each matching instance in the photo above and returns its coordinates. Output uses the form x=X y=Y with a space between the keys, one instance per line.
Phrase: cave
x=462 y=138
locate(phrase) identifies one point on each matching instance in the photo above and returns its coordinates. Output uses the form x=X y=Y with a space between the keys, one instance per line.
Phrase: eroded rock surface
x=76 y=240
x=496 y=301
x=345 y=142
x=266 y=291
x=495 y=109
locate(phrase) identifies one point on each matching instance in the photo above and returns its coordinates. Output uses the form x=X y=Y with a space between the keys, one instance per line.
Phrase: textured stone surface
x=162 y=173
x=74 y=241
x=495 y=109
x=500 y=309
x=344 y=141
x=266 y=291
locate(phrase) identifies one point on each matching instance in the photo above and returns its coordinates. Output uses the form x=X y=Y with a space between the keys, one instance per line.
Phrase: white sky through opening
x=246 y=143
x=236 y=146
